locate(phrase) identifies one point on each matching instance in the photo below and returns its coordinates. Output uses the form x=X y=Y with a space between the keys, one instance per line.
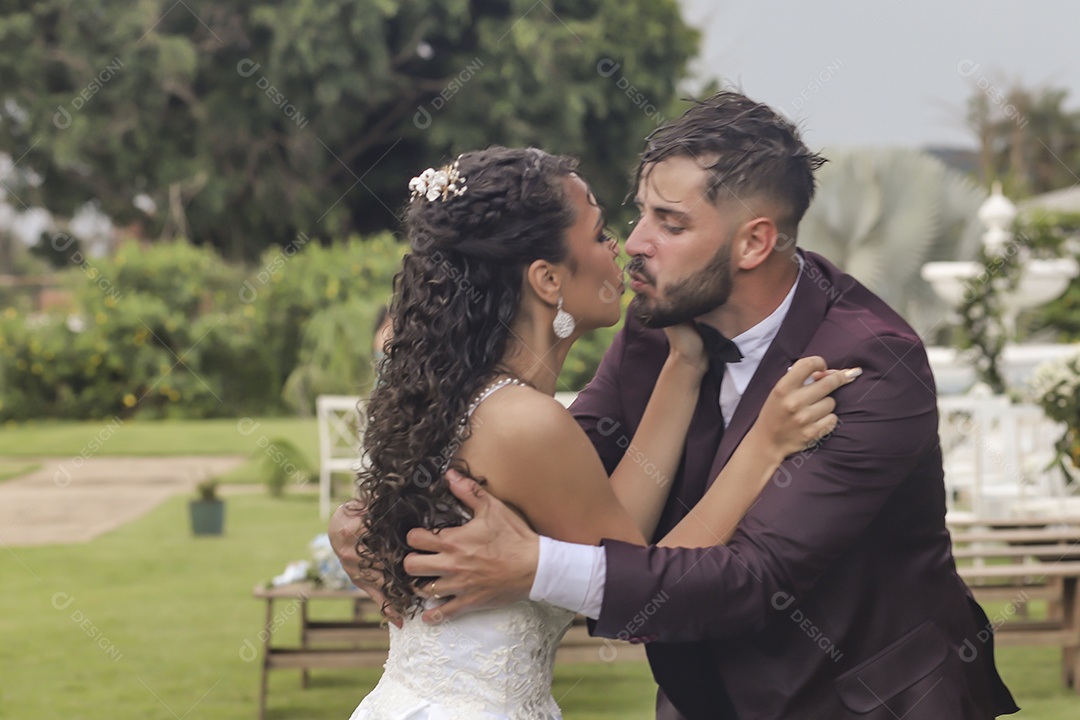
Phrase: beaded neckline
x=480 y=397
x=486 y=392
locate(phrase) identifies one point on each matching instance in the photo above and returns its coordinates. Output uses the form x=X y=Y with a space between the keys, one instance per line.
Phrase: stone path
x=62 y=503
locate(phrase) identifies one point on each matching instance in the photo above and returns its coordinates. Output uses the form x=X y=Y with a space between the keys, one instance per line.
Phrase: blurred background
x=199 y=230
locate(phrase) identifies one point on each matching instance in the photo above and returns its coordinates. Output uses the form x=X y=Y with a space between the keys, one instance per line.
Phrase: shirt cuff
x=570 y=576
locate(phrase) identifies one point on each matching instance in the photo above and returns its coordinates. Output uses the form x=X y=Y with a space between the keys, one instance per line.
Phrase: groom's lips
x=637 y=282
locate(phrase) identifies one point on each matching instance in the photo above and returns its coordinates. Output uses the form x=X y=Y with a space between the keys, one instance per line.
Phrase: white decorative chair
x=341 y=419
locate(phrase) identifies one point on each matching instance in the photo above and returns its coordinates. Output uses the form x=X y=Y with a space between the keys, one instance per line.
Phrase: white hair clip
x=438 y=184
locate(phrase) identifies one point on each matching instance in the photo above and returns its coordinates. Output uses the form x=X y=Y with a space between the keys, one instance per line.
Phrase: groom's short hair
x=747 y=148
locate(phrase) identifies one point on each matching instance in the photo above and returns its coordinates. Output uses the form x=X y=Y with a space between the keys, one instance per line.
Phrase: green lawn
x=250 y=437
x=156 y=437
x=149 y=622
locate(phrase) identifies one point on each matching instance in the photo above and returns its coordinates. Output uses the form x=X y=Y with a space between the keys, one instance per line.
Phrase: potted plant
x=208 y=511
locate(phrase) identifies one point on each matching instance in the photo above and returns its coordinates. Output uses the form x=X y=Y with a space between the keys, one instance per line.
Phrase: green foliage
x=1061 y=233
x=1027 y=139
x=282 y=462
x=982 y=333
x=247 y=124
x=169 y=330
x=207 y=490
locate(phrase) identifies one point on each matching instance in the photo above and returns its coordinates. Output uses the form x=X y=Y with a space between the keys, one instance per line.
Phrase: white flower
x=434 y=184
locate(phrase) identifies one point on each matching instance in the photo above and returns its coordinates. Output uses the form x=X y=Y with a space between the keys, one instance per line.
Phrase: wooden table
x=1016 y=561
x=357 y=642
x=363 y=641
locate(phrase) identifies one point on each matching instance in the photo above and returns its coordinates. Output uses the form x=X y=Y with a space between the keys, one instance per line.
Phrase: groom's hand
x=346 y=524
x=488 y=562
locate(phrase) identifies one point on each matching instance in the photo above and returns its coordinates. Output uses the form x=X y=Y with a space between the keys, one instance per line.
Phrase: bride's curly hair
x=455 y=300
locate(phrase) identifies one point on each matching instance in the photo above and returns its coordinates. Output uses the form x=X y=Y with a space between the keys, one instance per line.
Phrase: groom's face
x=680 y=246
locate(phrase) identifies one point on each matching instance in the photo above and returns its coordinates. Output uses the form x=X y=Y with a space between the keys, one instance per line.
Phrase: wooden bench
x=1015 y=562
x=362 y=641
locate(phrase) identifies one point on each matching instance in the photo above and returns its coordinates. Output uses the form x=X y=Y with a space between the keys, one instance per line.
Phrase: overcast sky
x=886 y=72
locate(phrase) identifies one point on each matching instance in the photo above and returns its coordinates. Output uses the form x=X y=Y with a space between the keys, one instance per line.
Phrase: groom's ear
x=544 y=278
x=755 y=243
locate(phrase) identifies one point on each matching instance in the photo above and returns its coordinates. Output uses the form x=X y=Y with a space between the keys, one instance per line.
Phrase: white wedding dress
x=488 y=665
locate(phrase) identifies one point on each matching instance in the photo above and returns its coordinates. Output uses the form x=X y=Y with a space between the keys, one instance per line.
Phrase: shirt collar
x=754 y=342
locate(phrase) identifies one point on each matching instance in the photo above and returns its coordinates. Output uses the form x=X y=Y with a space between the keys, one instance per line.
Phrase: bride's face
x=592 y=293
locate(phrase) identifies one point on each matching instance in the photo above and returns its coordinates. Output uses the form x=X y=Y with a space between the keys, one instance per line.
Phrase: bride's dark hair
x=455 y=299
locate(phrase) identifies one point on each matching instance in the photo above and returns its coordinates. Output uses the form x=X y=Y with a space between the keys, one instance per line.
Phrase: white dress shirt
x=572 y=576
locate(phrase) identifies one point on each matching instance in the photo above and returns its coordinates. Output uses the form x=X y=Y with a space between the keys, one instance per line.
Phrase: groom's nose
x=640 y=240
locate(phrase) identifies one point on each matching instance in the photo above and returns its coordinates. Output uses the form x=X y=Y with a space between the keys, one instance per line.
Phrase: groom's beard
x=692 y=297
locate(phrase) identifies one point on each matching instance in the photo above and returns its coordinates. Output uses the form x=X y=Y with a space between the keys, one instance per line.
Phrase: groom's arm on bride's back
x=821 y=503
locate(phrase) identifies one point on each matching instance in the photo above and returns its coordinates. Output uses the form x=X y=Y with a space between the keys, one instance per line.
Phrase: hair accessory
x=438 y=184
x=563 y=324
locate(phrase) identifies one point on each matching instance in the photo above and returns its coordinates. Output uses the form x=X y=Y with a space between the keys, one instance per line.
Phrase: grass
x=252 y=437
x=150 y=622
x=156 y=437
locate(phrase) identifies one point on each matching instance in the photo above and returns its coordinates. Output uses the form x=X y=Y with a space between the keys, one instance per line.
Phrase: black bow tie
x=719 y=349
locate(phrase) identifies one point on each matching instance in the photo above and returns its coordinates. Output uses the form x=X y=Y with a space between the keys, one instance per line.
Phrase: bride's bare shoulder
x=520 y=412
x=517 y=408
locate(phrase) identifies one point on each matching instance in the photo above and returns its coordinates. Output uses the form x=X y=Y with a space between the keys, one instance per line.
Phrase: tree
x=881 y=214
x=1027 y=139
x=244 y=124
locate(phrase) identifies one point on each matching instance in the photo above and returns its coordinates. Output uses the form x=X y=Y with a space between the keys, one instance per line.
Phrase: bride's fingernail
x=853 y=373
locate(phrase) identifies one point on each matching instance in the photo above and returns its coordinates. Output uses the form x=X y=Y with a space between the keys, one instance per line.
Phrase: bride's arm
x=538 y=460
x=794 y=416
x=643 y=477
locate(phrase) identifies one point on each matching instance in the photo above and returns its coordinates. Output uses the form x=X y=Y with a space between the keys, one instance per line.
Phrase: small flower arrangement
x=324 y=569
x=326 y=566
x=438 y=184
x=1055 y=385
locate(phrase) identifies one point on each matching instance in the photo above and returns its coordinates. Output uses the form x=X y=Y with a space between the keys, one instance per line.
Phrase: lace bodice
x=483 y=665
x=488 y=665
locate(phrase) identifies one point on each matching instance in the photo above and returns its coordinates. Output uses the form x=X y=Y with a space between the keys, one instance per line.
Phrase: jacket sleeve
x=819 y=503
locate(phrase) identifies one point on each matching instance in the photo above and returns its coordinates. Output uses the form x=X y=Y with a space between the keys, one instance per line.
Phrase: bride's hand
x=687 y=346
x=798 y=413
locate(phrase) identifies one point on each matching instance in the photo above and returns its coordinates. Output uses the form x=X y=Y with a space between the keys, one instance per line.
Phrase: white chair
x=341 y=420
x=566 y=398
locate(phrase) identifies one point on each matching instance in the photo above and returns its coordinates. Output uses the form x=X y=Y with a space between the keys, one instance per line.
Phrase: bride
x=510 y=263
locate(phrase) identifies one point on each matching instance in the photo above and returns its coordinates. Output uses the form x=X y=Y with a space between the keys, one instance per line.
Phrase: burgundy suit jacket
x=838 y=596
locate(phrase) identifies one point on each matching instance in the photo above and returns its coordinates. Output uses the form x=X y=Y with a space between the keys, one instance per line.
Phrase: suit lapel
x=807 y=312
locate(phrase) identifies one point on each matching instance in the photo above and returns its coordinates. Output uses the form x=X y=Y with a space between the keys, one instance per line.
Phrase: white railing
x=997 y=455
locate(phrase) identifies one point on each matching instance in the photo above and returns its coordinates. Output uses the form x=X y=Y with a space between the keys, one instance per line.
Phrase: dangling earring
x=563 y=324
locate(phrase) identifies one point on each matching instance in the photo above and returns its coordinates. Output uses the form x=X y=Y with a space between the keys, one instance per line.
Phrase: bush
x=283 y=461
x=169 y=330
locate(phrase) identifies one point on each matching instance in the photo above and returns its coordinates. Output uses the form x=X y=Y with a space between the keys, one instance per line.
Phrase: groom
x=837 y=596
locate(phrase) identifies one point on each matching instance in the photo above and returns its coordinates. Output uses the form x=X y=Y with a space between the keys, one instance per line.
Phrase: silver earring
x=563 y=324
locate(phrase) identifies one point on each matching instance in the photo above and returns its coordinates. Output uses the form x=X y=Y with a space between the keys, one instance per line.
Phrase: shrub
x=169 y=330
